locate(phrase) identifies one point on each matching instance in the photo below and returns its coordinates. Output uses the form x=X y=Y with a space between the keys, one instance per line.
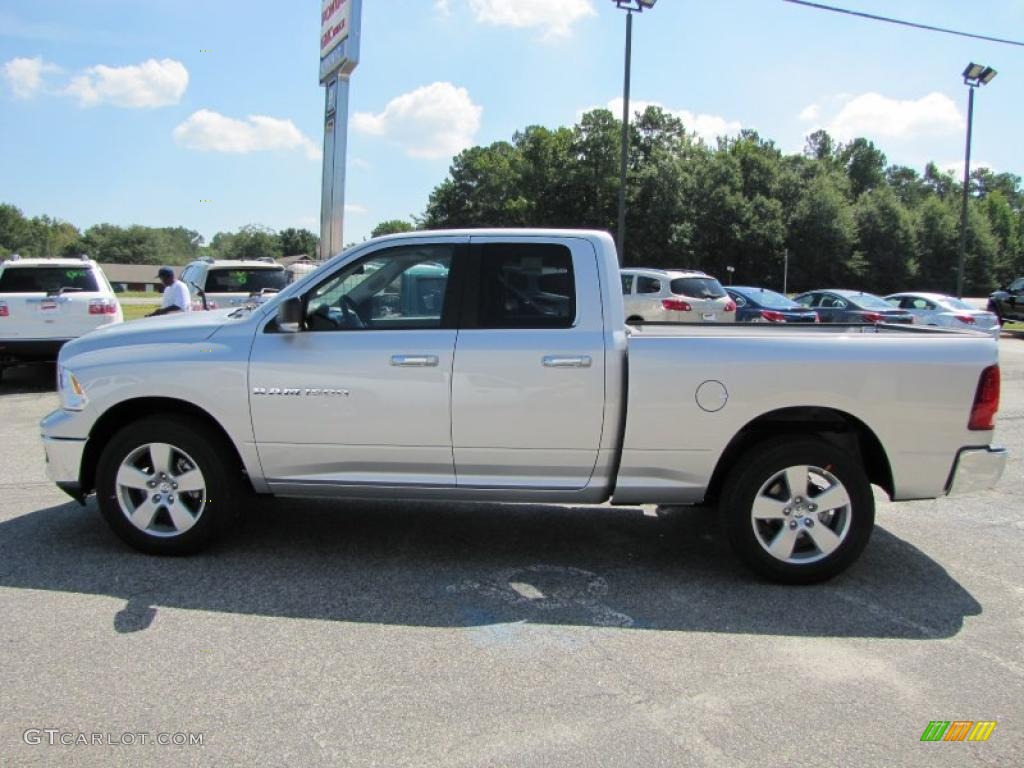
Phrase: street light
x=730 y=270
x=974 y=75
x=629 y=6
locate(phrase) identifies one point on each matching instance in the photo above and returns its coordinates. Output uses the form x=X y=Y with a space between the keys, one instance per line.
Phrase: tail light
x=871 y=317
x=730 y=307
x=676 y=305
x=102 y=307
x=986 y=400
x=965 y=319
x=3 y=309
x=772 y=316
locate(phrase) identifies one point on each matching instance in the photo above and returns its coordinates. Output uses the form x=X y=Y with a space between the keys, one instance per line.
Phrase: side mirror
x=289 y=315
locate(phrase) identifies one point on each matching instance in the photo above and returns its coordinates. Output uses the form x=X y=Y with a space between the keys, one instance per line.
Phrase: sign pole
x=340 y=21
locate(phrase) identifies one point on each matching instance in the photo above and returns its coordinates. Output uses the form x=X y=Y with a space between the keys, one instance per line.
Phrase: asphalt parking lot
x=467 y=635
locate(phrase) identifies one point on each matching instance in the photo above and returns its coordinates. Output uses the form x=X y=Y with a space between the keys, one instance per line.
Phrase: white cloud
x=149 y=84
x=443 y=7
x=707 y=127
x=554 y=17
x=25 y=76
x=437 y=120
x=810 y=113
x=206 y=130
x=872 y=115
x=356 y=209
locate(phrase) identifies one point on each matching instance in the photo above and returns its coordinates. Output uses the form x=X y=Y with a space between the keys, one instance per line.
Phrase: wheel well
x=132 y=410
x=837 y=427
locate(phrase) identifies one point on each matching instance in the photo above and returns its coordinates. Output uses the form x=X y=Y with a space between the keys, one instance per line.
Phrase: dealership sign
x=335 y=24
x=339 y=37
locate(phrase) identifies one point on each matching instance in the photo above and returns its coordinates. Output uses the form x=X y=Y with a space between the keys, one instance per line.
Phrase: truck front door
x=361 y=395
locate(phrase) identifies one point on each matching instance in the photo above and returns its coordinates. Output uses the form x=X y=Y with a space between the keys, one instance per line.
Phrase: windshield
x=698 y=287
x=769 y=299
x=245 y=280
x=47 y=279
x=869 y=301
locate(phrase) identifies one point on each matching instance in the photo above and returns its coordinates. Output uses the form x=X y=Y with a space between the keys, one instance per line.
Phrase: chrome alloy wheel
x=160 y=489
x=801 y=514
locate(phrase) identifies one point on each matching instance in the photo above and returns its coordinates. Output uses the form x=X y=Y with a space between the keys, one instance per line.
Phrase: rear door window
x=627 y=285
x=47 y=280
x=526 y=285
x=648 y=285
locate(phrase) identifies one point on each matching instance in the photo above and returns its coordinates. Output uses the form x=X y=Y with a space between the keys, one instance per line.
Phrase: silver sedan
x=945 y=312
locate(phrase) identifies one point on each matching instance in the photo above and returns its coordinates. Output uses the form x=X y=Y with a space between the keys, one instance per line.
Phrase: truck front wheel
x=799 y=510
x=166 y=486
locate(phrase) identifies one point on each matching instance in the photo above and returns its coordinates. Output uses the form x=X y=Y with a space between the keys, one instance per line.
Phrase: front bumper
x=976 y=469
x=63 y=459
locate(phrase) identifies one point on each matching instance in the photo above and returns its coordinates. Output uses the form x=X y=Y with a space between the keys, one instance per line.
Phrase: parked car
x=500 y=392
x=1008 y=302
x=760 y=305
x=676 y=296
x=44 y=303
x=840 y=306
x=231 y=283
x=945 y=312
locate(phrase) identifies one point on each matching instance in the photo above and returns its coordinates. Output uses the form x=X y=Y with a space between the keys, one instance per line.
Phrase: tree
x=392 y=227
x=865 y=166
x=886 y=241
x=295 y=241
x=252 y=241
x=822 y=237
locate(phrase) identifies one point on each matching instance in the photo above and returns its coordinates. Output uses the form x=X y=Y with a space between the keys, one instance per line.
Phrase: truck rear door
x=529 y=374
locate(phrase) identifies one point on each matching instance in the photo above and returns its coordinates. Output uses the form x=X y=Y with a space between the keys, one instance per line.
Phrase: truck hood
x=177 y=328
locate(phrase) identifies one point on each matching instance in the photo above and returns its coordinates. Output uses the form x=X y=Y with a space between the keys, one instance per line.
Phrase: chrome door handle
x=564 y=361
x=414 y=361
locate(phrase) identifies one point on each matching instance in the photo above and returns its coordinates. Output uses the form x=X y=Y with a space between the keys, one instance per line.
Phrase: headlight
x=71 y=391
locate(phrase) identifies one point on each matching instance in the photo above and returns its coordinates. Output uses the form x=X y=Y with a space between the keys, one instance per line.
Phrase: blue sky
x=209 y=114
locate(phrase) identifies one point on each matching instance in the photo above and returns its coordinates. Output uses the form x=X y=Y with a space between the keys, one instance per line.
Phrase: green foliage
x=846 y=217
x=392 y=227
x=295 y=241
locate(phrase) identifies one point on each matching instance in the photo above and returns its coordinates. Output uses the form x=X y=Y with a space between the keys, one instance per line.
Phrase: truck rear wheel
x=799 y=510
x=166 y=486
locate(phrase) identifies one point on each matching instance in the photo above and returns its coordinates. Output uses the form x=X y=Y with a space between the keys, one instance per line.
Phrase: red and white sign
x=335 y=20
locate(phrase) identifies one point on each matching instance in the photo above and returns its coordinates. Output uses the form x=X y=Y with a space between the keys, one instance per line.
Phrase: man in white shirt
x=176 y=296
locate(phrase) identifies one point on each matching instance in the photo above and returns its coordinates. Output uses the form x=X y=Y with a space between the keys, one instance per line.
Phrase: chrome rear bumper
x=977 y=469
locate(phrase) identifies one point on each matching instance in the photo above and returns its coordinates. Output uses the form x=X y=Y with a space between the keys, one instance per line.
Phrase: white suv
x=677 y=296
x=45 y=303
x=232 y=283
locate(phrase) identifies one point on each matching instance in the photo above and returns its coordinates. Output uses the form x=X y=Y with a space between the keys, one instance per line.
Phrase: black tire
x=759 y=475
x=194 y=446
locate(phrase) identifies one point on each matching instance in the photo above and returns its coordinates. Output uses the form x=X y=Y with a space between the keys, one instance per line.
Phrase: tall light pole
x=974 y=75
x=629 y=6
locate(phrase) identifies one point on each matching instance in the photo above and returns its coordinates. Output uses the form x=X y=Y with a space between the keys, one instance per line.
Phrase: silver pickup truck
x=497 y=366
